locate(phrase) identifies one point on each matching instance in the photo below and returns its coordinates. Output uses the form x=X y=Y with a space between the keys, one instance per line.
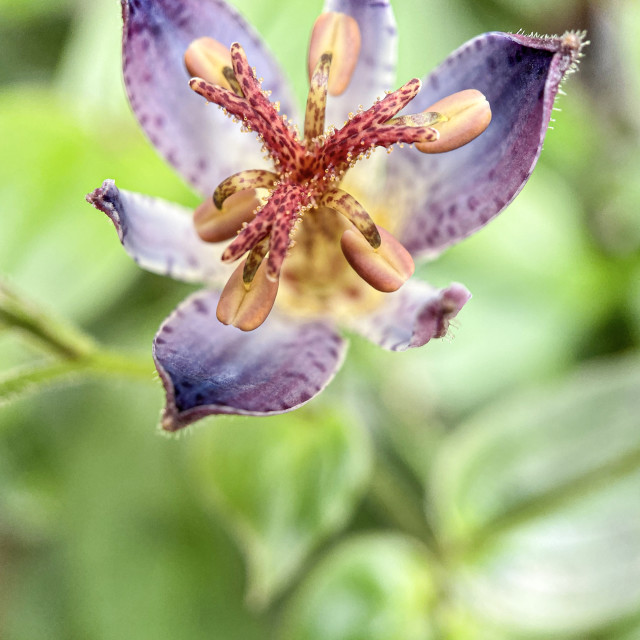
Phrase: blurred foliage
x=308 y=470
x=484 y=488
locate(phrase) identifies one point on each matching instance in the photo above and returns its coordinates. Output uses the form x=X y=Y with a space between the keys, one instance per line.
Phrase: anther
x=246 y=306
x=254 y=260
x=386 y=268
x=209 y=59
x=350 y=208
x=339 y=35
x=466 y=115
x=251 y=179
x=317 y=99
x=215 y=225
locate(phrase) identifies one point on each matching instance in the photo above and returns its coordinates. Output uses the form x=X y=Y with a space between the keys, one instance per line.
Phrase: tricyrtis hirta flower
x=324 y=223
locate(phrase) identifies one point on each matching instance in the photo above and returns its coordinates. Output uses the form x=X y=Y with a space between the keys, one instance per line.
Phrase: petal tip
x=434 y=319
x=106 y=199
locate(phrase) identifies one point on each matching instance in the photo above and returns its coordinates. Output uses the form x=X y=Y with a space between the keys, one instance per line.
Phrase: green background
x=484 y=487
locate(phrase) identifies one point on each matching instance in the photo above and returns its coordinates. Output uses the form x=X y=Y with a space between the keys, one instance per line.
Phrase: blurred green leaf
x=538 y=502
x=283 y=484
x=19 y=10
x=540 y=10
x=101 y=535
x=631 y=632
x=58 y=249
x=375 y=587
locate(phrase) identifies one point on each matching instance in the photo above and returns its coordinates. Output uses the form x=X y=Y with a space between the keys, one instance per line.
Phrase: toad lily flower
x=322 y=241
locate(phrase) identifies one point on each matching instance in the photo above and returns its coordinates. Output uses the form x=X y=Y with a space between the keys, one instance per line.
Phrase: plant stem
x=59 y=337
x=76 y=353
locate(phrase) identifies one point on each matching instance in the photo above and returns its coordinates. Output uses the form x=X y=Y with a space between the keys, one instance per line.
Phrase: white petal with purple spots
x=160 y=235
x=201 y=143
x=209 y=368
x=375 y=72
x=412 y=316
x=460 y=191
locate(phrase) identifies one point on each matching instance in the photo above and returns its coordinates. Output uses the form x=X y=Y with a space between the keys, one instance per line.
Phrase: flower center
x=308 y=171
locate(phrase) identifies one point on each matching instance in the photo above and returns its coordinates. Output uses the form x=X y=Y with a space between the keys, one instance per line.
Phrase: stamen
x=467 y=114
x=350 y=208
x=252 y=179
x=247 y=306
x=233 y=81
x=317 y=99
x=422 y=119
x=385 y=269
x=209 y=59
x=215 y=225
x=254 y=260
x=339 y=35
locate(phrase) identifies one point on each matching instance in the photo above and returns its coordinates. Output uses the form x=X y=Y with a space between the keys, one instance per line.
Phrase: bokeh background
x=484 y=487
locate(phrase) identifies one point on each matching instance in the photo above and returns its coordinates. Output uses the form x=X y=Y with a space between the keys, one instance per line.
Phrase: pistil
x=308 y=172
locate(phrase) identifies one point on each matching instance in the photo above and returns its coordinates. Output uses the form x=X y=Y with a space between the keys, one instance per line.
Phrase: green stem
x=100 y=363
x=113 y=363
x=18 y=382
x=62 y=339
x=77 y=354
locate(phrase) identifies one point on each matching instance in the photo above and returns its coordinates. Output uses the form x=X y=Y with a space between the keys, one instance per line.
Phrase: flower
x=304 y=215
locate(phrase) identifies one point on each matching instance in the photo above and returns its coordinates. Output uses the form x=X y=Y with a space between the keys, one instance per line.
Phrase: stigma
x=258 y=211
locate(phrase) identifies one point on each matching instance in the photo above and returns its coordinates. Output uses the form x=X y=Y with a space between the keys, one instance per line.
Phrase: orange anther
x=339 y=35
x=386 y=268
x=246 y=306
x=466 y=115
x=215 y=225
x=207 y=58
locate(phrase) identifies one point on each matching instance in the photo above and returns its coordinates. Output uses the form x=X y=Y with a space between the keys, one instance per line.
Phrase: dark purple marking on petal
x=178 y=122
x=376 y=68
x=520 y=77
x=413 y=315
x=160 y=235
x=208 y=368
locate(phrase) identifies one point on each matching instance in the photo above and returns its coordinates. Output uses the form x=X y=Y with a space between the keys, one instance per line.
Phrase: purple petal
x=413 y=315
x=201 y=143
x=209 y=368
x=460 y=191
x=160 y=235
x=375 y=72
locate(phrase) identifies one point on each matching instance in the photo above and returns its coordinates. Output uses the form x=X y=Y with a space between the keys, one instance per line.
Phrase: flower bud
x=386 y=268
x=339 y=35
x=246 y=306
x=466 y=115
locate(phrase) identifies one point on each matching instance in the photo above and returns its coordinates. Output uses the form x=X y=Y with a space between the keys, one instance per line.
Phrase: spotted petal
x=209 y=368
x=463 y=189
x=376 y=69
x=413 y=315
x=201 y=143
x=160 y=235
